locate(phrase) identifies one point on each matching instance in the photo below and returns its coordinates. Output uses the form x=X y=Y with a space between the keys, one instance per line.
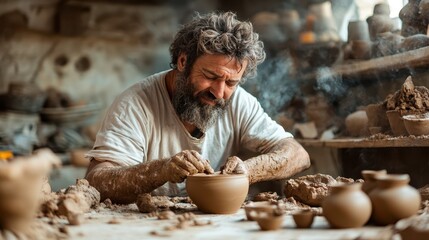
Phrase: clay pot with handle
x=347 y=206
x=393 y=199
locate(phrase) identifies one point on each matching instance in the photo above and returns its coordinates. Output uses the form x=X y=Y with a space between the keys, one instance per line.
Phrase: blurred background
x=62 y=62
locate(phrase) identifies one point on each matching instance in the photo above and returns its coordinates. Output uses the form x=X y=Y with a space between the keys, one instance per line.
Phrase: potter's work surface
x=128 y=223
x=410 y=141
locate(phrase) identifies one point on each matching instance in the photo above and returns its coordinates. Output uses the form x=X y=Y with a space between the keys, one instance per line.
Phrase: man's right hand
x=185 y=163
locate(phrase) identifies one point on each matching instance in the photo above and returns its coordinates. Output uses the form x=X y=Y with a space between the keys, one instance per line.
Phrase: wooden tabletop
x=130 y=224
x=367 y=142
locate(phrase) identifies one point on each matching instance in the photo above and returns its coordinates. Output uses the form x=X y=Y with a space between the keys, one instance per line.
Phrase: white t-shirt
x=141 y=125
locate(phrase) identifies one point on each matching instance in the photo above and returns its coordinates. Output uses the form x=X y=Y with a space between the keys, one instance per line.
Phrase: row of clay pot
x=383 y=199
x=269 y=216
x=404 y=123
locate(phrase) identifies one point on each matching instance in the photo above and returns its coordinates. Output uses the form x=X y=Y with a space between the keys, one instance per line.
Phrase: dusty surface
x=311 y=189
x=126 y=222
x=409 y=97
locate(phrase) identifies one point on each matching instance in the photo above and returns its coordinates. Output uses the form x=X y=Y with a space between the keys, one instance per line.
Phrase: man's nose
x=218 y=89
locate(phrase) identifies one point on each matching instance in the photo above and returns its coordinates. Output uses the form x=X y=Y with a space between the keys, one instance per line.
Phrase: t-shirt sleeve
x=117 y=139
x=258 y=132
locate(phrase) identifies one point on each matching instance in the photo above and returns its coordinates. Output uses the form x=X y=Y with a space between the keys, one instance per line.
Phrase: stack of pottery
x=347 y=206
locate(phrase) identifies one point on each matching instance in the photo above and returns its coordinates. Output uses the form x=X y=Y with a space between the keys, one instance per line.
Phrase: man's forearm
x=124 y=184
x=283 y=161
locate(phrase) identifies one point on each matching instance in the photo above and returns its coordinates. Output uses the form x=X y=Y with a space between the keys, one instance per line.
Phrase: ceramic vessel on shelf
x=370 y=181
x=217 y=193
x=393 y=199
x=303 y=218
x=251 y=209
x=347 y=206
x=417 y=124
x=396 y=123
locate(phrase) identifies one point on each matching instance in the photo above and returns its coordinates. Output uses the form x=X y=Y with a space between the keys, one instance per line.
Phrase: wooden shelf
x=367 y=142
x=402 y=61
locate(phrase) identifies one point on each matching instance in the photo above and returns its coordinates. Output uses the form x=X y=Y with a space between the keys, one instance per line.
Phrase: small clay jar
x=269 y=220
x=393 y=199
x=217 y=193
x=347 y=206
x=252 y=209
x=369 y=177
x=303 y=218
x=417 y=124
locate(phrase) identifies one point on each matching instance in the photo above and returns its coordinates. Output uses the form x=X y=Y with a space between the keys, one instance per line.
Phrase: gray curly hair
x=218 y=33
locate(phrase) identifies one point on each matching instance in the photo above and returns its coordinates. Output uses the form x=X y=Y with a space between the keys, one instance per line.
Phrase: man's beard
x=190 y=109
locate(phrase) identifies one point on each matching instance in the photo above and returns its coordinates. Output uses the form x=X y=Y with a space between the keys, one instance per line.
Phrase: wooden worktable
x=128 y=223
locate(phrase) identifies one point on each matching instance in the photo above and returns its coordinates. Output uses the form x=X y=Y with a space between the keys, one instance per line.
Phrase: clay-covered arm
x=122 y=184
x=284 y=160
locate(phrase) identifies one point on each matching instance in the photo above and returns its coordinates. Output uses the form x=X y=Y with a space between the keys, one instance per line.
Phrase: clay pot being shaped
x=417 y=124
x=370 y=181
x=269 y=220
x=303 y=218
x=347 y=206
x=252 y=209
x=393 y=199
x=217 y=193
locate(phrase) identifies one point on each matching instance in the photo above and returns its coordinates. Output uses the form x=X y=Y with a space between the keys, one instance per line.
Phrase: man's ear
x=181 y=62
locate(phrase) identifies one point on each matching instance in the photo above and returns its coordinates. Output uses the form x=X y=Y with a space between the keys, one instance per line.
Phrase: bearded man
x=193 y=118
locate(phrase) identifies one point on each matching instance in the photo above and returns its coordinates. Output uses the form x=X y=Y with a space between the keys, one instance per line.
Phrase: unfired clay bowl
x=253 y=208
x=268 y=220
x=303 y=218
x=417 y=124
x=217 y=193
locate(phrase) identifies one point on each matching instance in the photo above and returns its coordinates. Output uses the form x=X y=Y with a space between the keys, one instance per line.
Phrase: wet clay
x=312 y=189
x=71 y=202
x=147 y=203
x=266 y=196
x=409 y=97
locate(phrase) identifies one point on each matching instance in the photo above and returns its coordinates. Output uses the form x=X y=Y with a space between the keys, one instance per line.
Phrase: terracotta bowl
x=303 y=218
x=269 y=221
x=253 y=208
x=217 y=193
x=417 y=124
x=396 y=123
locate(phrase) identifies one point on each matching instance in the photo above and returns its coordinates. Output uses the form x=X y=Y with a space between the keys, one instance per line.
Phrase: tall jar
x=347 y=206
x=370 y=181
x=393 y=199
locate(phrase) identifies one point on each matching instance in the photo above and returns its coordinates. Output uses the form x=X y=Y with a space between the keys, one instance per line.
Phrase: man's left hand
x=234 y=165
